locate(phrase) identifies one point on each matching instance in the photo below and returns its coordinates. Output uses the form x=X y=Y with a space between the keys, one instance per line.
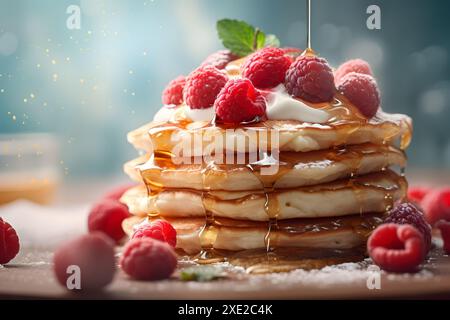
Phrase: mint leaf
x=272 y=41
x=261 y=40
x=201 y=274
x=242 y=38
x=239 y=36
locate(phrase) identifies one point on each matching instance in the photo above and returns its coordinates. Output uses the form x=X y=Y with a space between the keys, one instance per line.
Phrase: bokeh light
x=91 y=86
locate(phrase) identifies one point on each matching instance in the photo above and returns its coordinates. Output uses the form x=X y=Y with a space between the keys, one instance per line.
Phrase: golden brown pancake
x=369 y=193
x=294 y=169
x=345 y=127
x=325 y=233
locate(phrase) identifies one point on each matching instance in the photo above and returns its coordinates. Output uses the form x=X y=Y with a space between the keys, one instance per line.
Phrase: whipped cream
x=206 y=114
x=281 y=106
x=165 y=113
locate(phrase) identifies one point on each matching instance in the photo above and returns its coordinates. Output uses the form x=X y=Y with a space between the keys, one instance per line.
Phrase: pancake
x=345 y=127
x=294 y=169
x=374 y=192
x=325 y=233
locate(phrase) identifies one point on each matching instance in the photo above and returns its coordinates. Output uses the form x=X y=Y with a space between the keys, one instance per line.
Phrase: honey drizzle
x=154 y=188
x=209 y=232
x=355 y=165
x=272 y=209
x=154 y=169
x=308 y=25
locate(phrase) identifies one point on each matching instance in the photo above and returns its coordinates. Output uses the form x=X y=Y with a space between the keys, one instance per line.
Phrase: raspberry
x=397 y=248
x=202 y=87
x=107 y=216
x=356 y=65
x=148 y=259
x=310 y=78
x=416 y=194
x=292 y=50
x=159 y=230
x=93 y=254
x=362 y=91
x=9 y=242
x=239 y=102
x=292 y=53
x=444 y=226
x=408 y=213
x=436 y=205
x=266 y=68
x=173 y=93
x=219 y=59
x=117 y=193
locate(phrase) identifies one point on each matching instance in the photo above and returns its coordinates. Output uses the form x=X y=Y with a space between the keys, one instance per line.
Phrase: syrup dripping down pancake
x=374 y=192
x=294 y=169
x=324 y=233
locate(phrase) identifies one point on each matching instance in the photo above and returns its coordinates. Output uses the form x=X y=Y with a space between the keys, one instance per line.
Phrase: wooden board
x=31 y=276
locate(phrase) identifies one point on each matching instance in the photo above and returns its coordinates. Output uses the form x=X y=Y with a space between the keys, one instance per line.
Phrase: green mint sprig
x=242 y=38
x=202 y=274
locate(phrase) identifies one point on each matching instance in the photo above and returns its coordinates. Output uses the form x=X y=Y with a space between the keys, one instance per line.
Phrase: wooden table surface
x=31 y=276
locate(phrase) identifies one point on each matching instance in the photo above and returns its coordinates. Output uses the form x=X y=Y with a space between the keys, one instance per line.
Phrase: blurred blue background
x=91 y=86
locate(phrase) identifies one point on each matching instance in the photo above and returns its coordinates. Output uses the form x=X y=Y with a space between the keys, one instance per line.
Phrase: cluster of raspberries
x=240 y=100
x=149 y=255
x=402 y=243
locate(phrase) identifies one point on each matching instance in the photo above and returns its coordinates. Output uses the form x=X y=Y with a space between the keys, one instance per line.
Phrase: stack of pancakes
x=333 y=184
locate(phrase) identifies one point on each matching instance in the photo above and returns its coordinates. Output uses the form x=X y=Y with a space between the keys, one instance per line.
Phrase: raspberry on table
x=148 y=259
x=219 y=59
x=436 y=205
x=397 y=248
x=93 y=254
x=158 y=230
x=310 y=78
x=417 y=193
x=239 y=102
x=444 y=227
x=355 y=65
x=173 y=93
x=266 y=68
x=107 y=216
x=202 y=87
x=9 y=242
x=408 y=213
x=117 y=193
x=362 y=91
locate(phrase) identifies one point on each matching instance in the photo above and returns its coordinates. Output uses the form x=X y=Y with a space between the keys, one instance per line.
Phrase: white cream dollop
x=281 y=106
x=165 y=113
x=206 y=114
